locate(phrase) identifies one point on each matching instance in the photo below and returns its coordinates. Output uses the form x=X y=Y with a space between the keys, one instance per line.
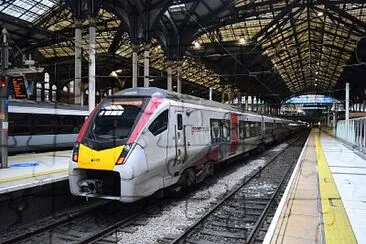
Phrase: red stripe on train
x=149 y=110
x=86 y=124
x=234 y=133
x=212 y=155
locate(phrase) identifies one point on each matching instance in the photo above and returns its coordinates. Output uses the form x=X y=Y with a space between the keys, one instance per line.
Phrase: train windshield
x=115 y=119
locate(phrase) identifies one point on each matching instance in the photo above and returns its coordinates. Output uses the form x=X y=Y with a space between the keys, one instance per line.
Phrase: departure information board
x=19 y=87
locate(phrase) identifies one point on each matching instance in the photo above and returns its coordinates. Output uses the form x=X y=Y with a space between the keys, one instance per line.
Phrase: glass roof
x=309 y=47
x=192 y=70
x=28 y=10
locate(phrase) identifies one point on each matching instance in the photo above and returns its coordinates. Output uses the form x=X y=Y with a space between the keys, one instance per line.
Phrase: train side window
x=46 y=124
x=215 y=130
x=247 y=129
x=226 y=130
x=180 y=121
x=67 y=124
x=160 y=124
x=252 y=129
x=241 y=129
x=259 y=129
x=19 y=124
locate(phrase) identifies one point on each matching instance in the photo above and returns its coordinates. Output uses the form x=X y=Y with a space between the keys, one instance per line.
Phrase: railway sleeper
x=230 y=225
x=225 y=234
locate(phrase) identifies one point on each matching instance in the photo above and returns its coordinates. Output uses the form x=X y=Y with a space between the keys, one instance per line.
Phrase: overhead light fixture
x=315 y=84
x=196 y=44
x=242 y=41
x=113 y=74
x=316 y=72
x=320 y=14
x=177 y=8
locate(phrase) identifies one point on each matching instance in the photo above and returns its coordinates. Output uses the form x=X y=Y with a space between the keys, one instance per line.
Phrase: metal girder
x=275 y=22
x=346 y=15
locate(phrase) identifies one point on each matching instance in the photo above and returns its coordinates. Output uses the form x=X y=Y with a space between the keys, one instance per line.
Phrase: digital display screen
x=19 y=89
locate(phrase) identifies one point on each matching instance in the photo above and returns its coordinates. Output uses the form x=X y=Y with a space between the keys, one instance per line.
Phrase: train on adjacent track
x=40 y=126
x=142 y=140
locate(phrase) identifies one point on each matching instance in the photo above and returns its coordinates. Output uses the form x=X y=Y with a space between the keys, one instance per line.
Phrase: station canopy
x=272 y=49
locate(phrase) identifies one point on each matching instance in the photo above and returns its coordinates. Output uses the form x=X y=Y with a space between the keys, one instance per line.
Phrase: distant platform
x=35 y=169
x=325 y=201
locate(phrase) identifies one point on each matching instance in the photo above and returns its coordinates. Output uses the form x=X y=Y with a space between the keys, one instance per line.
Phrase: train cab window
x=115 y=119
x=180 y=122
x=160 y=124
x=215 y=130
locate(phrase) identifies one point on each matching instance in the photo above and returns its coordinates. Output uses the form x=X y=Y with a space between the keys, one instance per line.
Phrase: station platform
x=30 y=170
x=325 y=200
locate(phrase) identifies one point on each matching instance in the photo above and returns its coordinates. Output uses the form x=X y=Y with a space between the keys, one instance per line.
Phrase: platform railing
x=355 y=133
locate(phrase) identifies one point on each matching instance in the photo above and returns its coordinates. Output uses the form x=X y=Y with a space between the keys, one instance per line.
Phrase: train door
x=234 y=134
x=156 y=137
x=177 y=145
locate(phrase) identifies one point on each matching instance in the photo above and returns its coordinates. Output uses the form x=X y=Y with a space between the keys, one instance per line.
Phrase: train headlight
x=75 y=152
x=122 y=157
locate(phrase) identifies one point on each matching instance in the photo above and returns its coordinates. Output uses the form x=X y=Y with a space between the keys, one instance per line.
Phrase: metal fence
x=355 y=133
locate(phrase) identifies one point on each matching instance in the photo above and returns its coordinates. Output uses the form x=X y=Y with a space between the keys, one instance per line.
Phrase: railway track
x=229 y=221
x=244 y=215
x=82 y=226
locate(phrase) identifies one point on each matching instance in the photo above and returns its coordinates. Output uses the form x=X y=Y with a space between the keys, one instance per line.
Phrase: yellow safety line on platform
x=22 y=177
x=337 y=227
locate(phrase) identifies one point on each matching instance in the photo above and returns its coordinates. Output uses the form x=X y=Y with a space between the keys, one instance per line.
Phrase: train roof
x=157 y=92
x=29 y=106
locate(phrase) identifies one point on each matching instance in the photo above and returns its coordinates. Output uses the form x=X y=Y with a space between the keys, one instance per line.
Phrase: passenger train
x=40 y=126
x=141 y=140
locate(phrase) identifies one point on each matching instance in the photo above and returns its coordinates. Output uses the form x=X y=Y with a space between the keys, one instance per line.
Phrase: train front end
x=106 y=157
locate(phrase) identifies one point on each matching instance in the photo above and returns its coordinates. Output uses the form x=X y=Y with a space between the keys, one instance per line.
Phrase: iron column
x=77 y=86
x=4 y=100
x=91 y=88
x=146 y=64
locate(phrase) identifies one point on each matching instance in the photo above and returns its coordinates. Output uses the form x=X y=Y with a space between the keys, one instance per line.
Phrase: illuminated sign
x=133 y=103
x=19 y=87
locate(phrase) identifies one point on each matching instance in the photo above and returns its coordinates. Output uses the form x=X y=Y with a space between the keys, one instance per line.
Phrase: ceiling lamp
x=320 y=14
x=196 y=44
x=242 y=41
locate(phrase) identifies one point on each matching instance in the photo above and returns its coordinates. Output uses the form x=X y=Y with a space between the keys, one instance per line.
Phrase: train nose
x=90 y=186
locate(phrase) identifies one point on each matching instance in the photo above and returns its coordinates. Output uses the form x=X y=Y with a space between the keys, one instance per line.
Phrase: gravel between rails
x=174 y=219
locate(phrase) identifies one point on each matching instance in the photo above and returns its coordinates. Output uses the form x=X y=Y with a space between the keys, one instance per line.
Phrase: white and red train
x=141 y=140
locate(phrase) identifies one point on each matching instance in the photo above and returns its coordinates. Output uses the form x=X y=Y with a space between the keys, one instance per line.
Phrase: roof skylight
x=28 y=10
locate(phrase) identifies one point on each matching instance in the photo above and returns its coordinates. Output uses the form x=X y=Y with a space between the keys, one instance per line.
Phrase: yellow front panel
x=102 y=160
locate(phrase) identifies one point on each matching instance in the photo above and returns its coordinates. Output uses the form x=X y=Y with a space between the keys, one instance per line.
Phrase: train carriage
x=40 y=126
x=141 y=140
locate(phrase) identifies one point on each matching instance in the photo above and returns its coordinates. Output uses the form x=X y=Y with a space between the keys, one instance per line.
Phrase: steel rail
x=69 y=218
x=250 y=238
x=221 y=202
